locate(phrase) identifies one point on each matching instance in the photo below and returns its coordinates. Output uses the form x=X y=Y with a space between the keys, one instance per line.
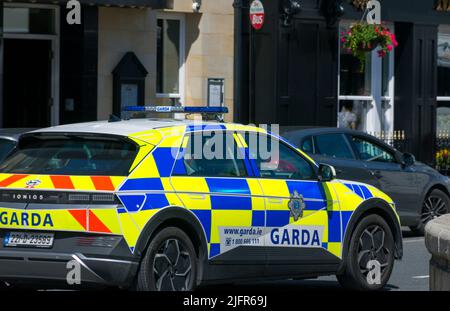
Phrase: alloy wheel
x=172 y=266
x=372 y=246
x=433 y=207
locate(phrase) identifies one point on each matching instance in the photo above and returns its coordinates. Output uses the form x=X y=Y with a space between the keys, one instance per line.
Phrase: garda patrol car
x=136 y=204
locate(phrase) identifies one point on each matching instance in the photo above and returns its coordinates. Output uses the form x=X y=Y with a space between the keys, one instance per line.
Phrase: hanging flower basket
x=362 y=38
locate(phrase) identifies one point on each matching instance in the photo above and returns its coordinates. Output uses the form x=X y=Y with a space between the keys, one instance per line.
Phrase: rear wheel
x=170 y=263
x=436 y=204
x=370 y=258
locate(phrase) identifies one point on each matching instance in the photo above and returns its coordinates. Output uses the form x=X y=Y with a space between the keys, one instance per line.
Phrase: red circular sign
x=257 y=14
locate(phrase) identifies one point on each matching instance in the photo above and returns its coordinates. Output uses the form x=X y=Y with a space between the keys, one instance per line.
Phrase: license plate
x=28 y=239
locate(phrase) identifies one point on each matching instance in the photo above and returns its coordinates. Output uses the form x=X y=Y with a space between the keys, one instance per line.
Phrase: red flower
x=381 y=53
x=390 y=48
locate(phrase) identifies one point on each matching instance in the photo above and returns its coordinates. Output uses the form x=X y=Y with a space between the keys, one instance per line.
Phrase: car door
x=298 y=207
x=395 y=180
x=334 y=149
x=211 y=180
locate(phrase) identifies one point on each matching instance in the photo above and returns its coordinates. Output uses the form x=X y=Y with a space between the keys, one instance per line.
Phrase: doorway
x=27 y=83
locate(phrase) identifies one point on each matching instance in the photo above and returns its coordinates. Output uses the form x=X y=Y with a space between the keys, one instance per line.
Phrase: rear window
x=71 y=155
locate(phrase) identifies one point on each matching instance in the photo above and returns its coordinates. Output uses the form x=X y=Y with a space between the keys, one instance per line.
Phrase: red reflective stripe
x=96 y=225
x=80 y=216
x=62 y=182
x=11 y=179
x=102 y=183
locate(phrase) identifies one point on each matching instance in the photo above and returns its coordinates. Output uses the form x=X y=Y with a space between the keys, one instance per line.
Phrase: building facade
x=294 y=71
x=124 y=52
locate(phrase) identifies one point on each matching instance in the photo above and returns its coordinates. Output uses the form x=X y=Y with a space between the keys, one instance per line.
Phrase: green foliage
x=363 y=38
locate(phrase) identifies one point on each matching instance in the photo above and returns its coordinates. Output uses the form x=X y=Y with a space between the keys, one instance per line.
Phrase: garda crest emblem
x=296 y=205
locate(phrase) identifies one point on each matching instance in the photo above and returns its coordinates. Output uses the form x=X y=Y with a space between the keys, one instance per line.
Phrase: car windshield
x=6 y=146
x=71 y=155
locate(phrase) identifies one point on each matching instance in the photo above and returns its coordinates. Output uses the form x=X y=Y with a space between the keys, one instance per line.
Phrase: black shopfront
x=48 y=67
x=293 y=71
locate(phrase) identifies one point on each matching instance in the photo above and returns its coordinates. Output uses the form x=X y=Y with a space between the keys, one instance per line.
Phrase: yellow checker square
x=349 y=200
x=142 y=218
x=130 y=230
x=275 y=188
x=190 y=184
x=335 y=248
x=171 y=142
x=82 y=182
x=226 y=218
x=146 y=169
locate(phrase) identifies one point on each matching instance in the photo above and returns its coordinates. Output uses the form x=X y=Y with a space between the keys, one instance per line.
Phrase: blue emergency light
x=176 y=109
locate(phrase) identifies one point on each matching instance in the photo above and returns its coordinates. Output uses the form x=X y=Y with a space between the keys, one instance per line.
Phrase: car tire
x=170 y=263
x=436 y=204
x=372 y=240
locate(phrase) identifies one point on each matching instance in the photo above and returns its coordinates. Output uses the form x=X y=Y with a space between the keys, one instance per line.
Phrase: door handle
x=376 y=174
x=197 y=196
x=275 y=201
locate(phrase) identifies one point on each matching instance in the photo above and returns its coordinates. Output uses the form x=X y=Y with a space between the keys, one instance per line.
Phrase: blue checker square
x=155 y=201
x=345 y=219
x=231 y=203
x=143 y=184
x=214 y=250
x=258 y=219
x=278 y=218
x=334 y=226
x=204 y=216
x=164 y=159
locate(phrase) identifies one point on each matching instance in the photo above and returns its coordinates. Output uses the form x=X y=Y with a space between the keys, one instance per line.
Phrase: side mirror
x=326 y=173
x=408 y=159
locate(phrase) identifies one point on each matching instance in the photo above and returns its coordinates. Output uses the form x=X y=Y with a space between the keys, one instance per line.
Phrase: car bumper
x=69 y=264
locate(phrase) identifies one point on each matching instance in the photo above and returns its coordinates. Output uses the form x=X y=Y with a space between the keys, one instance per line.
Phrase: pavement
x=409 y=274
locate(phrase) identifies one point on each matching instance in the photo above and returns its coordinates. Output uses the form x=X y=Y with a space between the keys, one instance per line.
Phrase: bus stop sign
x=257 y=14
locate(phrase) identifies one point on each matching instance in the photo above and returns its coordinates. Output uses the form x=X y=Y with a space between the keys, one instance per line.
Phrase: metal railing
x=396 y=139
x=399 y=141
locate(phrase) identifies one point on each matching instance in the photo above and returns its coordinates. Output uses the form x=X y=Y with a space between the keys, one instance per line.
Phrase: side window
x=371 y=152
x=212 y=154
x=276 y=160
x=334 y=146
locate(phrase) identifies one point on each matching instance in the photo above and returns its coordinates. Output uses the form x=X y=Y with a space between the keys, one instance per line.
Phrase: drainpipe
x=237 y=74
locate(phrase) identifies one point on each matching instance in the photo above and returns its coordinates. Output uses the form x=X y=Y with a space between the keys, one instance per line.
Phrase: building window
x=170 y=59
x=365 y=96
x=443 y=85
x=24 y=20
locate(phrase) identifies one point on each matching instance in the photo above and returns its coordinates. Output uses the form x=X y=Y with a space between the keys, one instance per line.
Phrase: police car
x=154 y=204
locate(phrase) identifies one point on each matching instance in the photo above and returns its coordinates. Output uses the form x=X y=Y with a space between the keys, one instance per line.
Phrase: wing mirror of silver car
x=408 y=159
x=326 y=173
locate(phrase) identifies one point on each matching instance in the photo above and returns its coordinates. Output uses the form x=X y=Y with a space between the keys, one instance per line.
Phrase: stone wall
x=437 y=240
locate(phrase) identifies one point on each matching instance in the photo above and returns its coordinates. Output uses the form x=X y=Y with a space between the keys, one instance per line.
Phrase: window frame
x=182 y=57
x=236 y=146
x=444 y=29
x=373 y=142
x=313 y=165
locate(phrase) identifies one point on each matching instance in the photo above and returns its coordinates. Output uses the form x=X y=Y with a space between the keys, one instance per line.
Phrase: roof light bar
x=176 y=109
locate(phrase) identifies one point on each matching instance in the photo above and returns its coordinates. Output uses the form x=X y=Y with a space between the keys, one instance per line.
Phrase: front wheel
x=170 y=263
x=370 y=258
